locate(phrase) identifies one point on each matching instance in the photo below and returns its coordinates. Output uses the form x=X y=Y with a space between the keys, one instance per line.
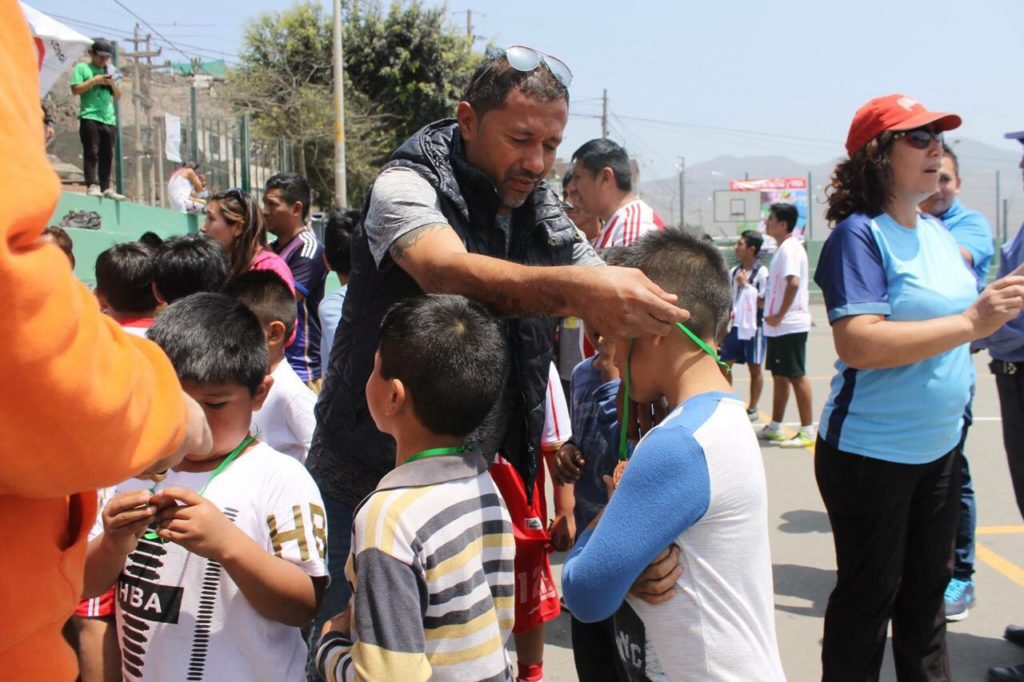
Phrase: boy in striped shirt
x=432 y=547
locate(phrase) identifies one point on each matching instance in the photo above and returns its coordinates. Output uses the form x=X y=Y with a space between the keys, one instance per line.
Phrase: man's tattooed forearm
x=409 y=239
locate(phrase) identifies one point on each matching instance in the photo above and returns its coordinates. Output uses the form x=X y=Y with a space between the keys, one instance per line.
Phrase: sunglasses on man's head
x=920 y=138
x=523 y=58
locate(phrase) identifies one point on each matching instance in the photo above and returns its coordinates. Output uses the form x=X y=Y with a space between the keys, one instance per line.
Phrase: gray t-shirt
x=403 y=201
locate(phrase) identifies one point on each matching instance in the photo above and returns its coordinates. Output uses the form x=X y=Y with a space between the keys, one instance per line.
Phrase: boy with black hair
x=59 y=237
x=338 y=257
x=187 y=265
x=432 y=546
x=124 y=274
x=285 y=422
x=232 y=564
x=695 y=480
x=745 y=342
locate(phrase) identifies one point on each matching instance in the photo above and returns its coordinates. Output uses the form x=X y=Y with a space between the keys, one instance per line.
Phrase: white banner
x=172 y=133
x=58 y=46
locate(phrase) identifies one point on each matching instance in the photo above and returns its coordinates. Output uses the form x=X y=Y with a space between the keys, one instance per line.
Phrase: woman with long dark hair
x=234 y=219
x=903 y=309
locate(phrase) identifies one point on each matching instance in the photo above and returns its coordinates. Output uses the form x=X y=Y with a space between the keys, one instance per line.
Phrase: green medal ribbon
x=624 y=427
x=225 y=463
x=437 y=452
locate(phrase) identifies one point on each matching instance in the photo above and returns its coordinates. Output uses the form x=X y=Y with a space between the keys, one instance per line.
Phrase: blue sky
x=700 y=79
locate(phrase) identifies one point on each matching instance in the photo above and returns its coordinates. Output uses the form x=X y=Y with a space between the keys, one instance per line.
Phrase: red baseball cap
x=893 y=112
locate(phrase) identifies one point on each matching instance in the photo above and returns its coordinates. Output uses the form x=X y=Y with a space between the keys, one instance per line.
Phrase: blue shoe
x=959 y=599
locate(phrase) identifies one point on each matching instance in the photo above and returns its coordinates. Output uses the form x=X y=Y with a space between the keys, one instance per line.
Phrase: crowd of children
x=216 y=567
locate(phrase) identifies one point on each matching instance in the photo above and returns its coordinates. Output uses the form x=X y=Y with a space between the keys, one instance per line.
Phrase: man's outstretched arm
x=621 y=302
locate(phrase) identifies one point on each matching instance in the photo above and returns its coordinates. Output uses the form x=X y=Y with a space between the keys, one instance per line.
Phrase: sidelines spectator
x=973 y=235
x=787 y=321
x=338 y=257
x=745 y=343
x=603 y=179
x=286 y=202
x=903 y=309
x=1006 y=346
x=96 y=82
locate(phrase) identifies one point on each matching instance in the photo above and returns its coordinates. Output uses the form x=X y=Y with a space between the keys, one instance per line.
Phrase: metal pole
x=194 y=137
x=340 y=184
x=118 y=143
x=1006 y=217
x=810 y=207
x=604 y=114
x=682 y=191
x=244 y=133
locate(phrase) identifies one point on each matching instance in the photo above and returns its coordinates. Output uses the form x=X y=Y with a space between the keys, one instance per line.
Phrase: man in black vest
x=461 y=208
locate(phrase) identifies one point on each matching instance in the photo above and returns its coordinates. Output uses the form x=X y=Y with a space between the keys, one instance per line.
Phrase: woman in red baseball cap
x=903 y=308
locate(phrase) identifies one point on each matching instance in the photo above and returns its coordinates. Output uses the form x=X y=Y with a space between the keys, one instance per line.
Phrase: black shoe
x=1014 y=634
x=1011 y=674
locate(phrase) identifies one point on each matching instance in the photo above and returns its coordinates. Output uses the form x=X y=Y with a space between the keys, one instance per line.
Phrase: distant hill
x=978 y=165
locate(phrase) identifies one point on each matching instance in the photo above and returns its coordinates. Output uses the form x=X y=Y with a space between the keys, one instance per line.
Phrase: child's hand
x=340 y=623
x=563 y=531
x=125 y=519
x=604 y=362
x=657 y=583
x=569 y=464
x=197 y=524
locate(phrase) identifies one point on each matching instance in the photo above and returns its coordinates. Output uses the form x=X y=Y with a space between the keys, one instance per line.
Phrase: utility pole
x=682 y=191
x=470 y=36
x=604 y=114
x=340 y=191
x=139 y=94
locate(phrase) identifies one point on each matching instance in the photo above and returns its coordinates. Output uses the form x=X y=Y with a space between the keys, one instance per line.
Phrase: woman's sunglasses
x=919 y=138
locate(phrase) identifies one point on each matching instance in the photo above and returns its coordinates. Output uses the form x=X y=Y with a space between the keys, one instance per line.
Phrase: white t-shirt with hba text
x=789 y=260
x=181 y=617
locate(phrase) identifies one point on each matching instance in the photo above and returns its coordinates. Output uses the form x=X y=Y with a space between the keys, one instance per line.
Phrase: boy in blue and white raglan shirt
x=695 y=480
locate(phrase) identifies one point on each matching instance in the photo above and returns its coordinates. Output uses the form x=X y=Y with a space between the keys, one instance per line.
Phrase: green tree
x=403 y=69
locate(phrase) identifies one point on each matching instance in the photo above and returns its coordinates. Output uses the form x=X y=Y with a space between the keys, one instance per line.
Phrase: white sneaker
x=111 y=194
x=803 y=439
x=93 y=191
x=771 y=435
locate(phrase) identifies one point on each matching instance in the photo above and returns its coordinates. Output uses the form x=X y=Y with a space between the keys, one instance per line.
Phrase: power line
x=150 y=27
x=199 y=49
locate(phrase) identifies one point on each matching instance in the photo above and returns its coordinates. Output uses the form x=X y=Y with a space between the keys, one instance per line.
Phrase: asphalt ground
x=803 y=556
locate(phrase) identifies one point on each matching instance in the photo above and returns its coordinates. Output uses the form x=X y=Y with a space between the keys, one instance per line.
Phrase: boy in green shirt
x=96 y=83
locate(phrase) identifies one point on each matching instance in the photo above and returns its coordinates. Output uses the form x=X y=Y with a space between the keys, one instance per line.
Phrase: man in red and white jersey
x=604 y=182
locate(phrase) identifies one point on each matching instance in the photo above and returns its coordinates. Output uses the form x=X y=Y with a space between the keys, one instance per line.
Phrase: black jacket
x=348 y=455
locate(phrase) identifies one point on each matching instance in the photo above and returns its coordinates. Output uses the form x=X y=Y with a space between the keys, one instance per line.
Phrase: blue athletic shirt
x=875 y=266
x=971 y=231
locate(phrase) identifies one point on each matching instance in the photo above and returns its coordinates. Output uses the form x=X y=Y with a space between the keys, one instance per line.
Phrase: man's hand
x=622 y=303
x=340 y=623
x=657 y=583
x=772 y=320
x=197 y=524
x=125 y=519
x=568 y=464
x=742 y=277
x=563 y=531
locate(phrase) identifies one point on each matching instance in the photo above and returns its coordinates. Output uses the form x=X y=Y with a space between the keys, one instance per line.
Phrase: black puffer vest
x=348 y=455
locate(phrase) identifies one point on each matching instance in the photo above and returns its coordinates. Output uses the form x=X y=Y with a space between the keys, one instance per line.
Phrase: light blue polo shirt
x=971 y=231
x=875 y=266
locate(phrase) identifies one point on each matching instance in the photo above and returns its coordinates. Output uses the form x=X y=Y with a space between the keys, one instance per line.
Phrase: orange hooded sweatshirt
x=82 y=404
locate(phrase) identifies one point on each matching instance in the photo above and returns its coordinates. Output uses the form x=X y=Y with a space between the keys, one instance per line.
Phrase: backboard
x=737 y=207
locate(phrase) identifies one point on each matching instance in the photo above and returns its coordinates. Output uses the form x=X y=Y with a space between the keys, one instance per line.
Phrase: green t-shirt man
x=97 y=103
